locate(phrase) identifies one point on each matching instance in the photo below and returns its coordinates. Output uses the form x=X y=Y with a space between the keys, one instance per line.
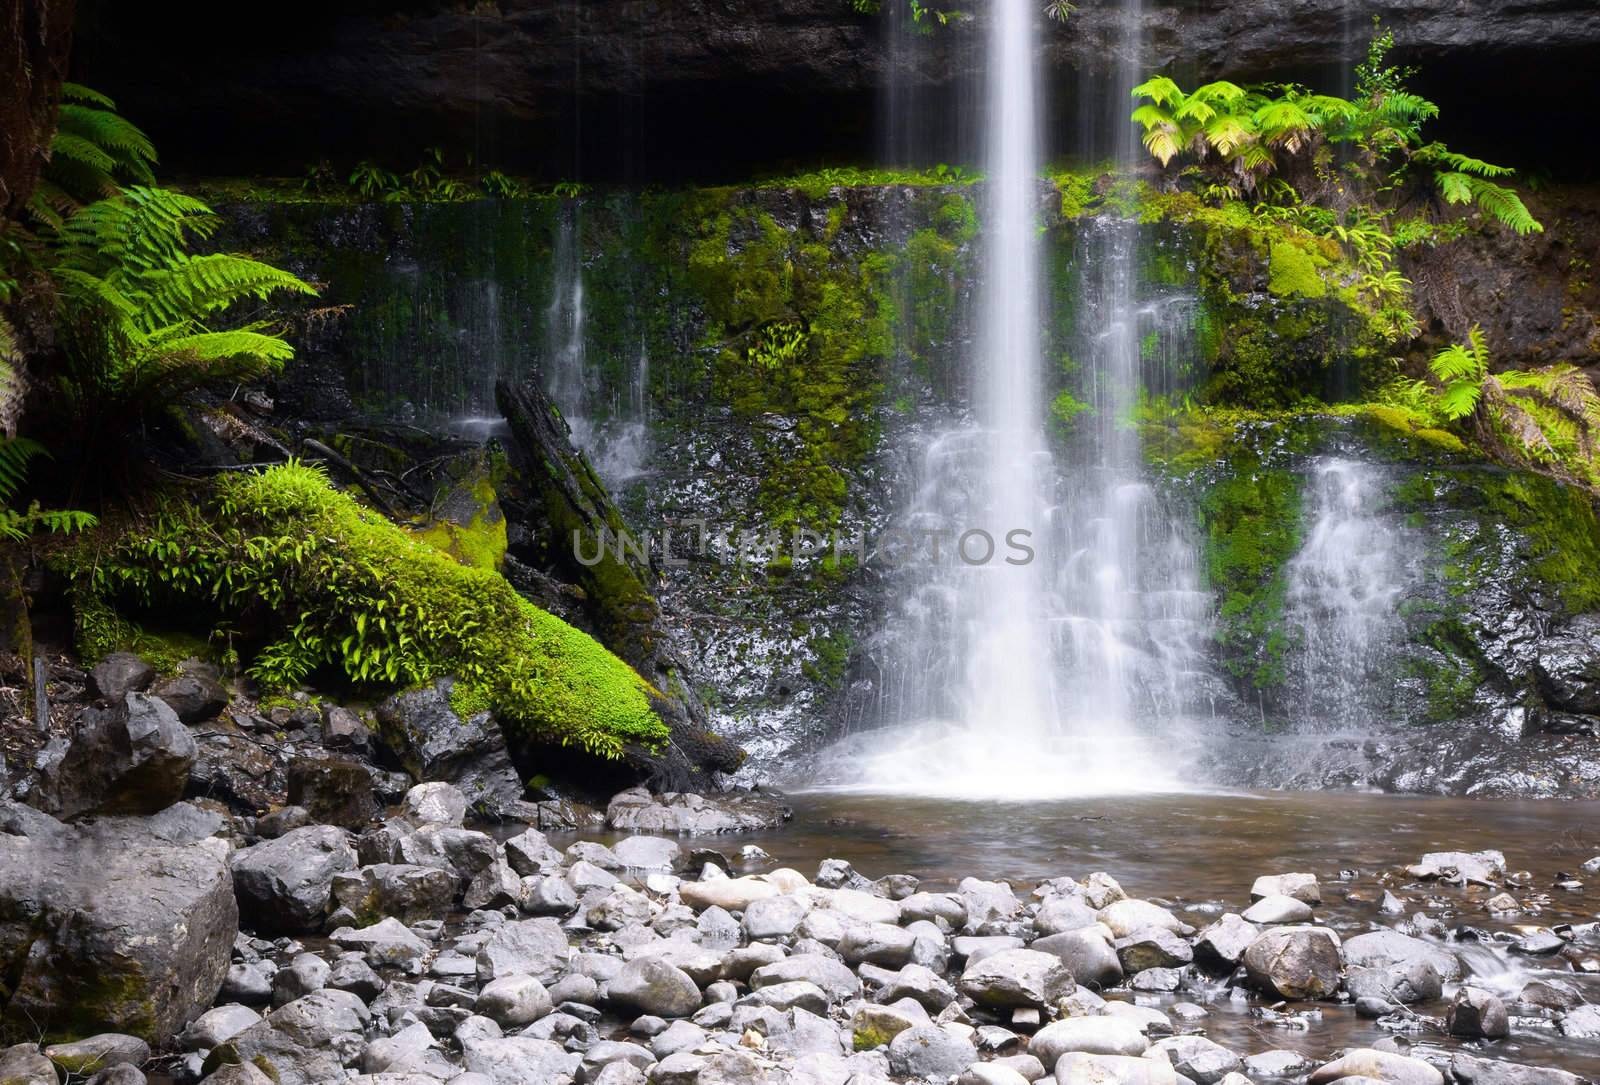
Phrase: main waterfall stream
x=1028 y=675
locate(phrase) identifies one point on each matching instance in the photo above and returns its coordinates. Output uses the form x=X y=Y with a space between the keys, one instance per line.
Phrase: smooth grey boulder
x=217 y=1025
x=1085 y=1068
x=652 y=985
x=1087 y=955
x=1017 y=977
x=1278 y=908
x=832 y=976
x=1062 y=913
x=774 y=917
x=1582 y=1022
x=1302 y=887
x=929 y=1052
x=1405 y=982
x=521 y=1060
x=1152 y=947
x=1469 y=1070
x=647 y=852
x=94 y=1053
x=387 y=942
x=306 y=973
x=109 y=928
x=1383 y=1066
x=1380 y=949
x=883 y=944
x=1295 y=962
x=513 y=1001
x=285 y=885
x=1092 y=1035
x=920 y=984
x=130 y=757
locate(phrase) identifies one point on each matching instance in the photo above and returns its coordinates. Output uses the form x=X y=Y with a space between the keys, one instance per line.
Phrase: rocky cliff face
x=693 y=301
x=628 y=88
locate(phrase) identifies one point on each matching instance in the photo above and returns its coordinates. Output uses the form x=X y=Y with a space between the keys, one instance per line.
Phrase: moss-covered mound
x=322 y=584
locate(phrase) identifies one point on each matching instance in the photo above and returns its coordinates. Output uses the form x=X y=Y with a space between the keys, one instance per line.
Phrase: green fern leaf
x=1160 y=90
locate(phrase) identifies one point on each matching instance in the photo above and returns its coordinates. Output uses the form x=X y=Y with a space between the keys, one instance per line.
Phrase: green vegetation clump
x=1294 y=272
x=1252 y=524
x=322 y=584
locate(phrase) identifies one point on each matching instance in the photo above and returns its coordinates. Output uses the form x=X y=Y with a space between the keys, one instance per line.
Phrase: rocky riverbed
x=191 y=945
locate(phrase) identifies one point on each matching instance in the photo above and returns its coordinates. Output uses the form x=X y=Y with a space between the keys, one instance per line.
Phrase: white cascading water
x=617 y=441
x=1343 y=591
x=1018 y=681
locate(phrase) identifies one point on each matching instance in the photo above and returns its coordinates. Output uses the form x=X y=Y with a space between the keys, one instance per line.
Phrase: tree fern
x=95 y=150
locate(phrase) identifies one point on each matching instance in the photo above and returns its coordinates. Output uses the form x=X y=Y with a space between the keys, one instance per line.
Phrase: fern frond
x=243 y=345
x=84 y=152
x=1504 y=206
x=1221 y=92
x=15 y=452
x=1229 y=132
x=1160 y=90
x=1459 y=399
x=1285 y=124
x=77 y=92
x=196 y=286
x=124 y=142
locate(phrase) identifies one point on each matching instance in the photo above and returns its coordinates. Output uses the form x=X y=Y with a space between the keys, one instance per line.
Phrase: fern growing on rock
x=143 y=320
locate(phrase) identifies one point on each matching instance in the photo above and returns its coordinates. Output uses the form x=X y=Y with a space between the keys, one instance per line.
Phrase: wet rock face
x=673 y=80
x=130 y=757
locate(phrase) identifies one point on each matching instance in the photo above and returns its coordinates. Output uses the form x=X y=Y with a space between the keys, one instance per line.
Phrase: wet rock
x=423 y=733
x=919 y=984
x=1087 y=955
x=1080 y=1068
x=217 y=1025
x=333 y=790
x=1302 y=887
x=495 y=886
x=774 y=917
x=121 y=1074
x=435 y=803
x=1058 y=914
x=242 y=1073
x=1199 y=1059
x=881 y=944
x=131 y=757
x=249 y=983
x=1380 y=949
x=1469 y=1070
x=286 y=884
x=1405 y=982
x=1583 y=1022
x=409 y=893
x=1221 y=945
x=1477 y=1013
x=1124 y=917
x=343 y=729
x=832 y=976
x=1295 y=962
x=652 y=985
x=352 y=973
x=930 y=1052
x=1276 y=1064
x=731 y=894
x=514 y=1001
x=91 y=1055
x=1550 y=995
x=1091 y=1035
x=1366 y=1062
x=530 y=853
x=303 y=975
x=1484 y=867
x=24 y=1065
x=120 y=674
x=636 y=810
x=109 y=928
x=1152 y=947
x=1278 y=909
x=1017 y=977
x=194 y=695
x=307 y=1041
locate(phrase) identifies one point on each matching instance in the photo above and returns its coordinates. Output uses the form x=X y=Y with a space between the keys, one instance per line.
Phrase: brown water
x=1200 y=853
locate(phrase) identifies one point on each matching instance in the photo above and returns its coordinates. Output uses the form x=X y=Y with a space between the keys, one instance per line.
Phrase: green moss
x=328 y=585
x=1252 y=523
x=481 y=541
x=1294 y=272
x=830 y=658
x=1560 y=532
x=868 y=1038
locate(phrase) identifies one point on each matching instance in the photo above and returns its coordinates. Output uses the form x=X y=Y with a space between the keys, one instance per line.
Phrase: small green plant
x=500 y=187
x=778 y=346
x=372 y=181
x=17 y=524
x=1461 y=368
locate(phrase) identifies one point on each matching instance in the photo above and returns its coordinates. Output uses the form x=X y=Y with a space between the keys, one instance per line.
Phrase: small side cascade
x=1343 y=591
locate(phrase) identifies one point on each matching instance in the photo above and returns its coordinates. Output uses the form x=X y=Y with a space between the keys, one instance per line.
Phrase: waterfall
x=1014 y=678
x=1344 y=587
x=613 y=434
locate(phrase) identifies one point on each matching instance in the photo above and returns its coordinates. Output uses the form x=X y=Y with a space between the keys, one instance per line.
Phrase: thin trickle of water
x=1343 y=589
x=565 y=372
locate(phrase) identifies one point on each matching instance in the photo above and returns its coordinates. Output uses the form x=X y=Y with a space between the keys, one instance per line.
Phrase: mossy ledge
x=314 y=583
